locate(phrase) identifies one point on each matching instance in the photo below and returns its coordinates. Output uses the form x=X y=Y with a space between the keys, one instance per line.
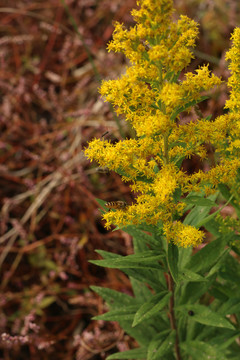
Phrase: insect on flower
x=103 y=170
x=116 y=204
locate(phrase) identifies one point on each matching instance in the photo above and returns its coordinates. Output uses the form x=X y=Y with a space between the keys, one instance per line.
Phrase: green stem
x=172 y=315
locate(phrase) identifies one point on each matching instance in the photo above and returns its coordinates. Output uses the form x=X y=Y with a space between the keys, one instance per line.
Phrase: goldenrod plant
x=185 y=304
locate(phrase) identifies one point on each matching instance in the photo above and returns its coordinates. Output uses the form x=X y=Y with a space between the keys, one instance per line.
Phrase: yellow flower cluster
x=151 y=97
x=183 y=235
x=234 y=56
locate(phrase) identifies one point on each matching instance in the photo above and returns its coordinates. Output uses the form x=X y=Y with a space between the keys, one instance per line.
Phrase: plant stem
x=172 y=315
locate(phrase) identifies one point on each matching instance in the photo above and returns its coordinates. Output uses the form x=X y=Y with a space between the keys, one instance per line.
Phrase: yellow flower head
x=234 y=80
x=183 y=235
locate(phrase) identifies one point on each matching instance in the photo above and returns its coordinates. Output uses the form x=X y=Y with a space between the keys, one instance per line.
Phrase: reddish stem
x=172 y=315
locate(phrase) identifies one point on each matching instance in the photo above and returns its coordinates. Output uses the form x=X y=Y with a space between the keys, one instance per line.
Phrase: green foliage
x=205 y=294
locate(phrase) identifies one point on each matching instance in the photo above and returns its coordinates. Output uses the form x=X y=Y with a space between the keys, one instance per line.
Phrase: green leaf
x=188 y=275
x=199 y=201
x=147 y=260
x=137 y=354
x=205 y=258
x=192 y=291
x=178 y=161
x=139 y=234
x=212 y=216
x=161 y=344
x=208 y=117
x=114 y=298
x=102 y=203
x=151 y=307
x=213 y=227
x=215 y=268
x=184 y=254
x=199 y=213
x=199 y=350
x=231 y=270
x=230 y=306
x=223 y=341
x=117 y=301
x=229 y=197
x=139 y=246
x=173 y=260
x=153 y=278
x=204 y=315
x=219 y=291
x=187 y=105
x=123 y=313
x=140 y=290
x=177 y=194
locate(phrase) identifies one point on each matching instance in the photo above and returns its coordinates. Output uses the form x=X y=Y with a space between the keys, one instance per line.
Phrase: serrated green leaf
x=140 y=290
x=199 y=201
x=223 y=341
x=231 y=270
x=120 y=314
x=154 y=278
x=205 y=258
x=192 y=291
x=184 y=254
x=161 y=344
x=230 y=306
x=220 y=292
x=215 y=268
x=212 y=216
x=145 y=260
x=213 y=227
x=137 y=354
x=139 y=246
x=141 y=235
x=145 y=256
x=142 y=335
x=229 y=197
x=199 y=213
x=204 y=315
x=188 y=275
x=113 y=297
x=154 y=305
x=199 y=350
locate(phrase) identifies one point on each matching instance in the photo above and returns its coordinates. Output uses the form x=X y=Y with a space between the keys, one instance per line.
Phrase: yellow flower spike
x=234 y=80
x=183 y=235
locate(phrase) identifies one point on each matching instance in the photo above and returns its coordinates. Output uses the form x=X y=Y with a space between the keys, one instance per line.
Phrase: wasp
x=103 y=170
x=116 y=204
